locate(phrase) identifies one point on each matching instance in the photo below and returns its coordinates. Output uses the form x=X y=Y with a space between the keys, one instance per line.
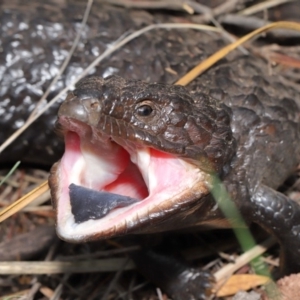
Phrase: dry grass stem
x=243 y=259
x=203 y=66
x=25 y=200
x=57 y=267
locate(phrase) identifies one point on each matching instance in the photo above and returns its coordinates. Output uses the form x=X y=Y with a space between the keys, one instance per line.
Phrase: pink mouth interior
x=159 y=181
x=121 y=176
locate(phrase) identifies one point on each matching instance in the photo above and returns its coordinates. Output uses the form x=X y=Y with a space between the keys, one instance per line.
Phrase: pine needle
x=22 y=202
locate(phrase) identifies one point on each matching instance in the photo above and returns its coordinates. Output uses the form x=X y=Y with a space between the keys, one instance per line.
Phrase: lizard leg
x=173 y=276
x=280 y=216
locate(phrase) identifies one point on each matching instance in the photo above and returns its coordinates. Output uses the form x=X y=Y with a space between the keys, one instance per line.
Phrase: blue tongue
x=89 y=204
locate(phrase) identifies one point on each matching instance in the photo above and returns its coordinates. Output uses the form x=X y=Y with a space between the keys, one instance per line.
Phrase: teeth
x=143 y=161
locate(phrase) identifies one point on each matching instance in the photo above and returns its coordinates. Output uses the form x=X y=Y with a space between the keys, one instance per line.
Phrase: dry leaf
x=241 y=282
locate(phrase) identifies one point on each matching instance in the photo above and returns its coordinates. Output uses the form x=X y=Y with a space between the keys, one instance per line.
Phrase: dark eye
x=144 y=110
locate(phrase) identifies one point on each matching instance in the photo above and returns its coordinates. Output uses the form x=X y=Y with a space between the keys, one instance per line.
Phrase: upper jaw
x=164 y=185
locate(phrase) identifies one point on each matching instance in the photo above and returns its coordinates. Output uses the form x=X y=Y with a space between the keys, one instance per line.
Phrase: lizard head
x=137 y=158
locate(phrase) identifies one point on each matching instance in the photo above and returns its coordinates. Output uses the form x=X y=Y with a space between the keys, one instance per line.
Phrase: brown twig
x=252 y=23
x=178 y=5
x=262 y=6
x=227 y=6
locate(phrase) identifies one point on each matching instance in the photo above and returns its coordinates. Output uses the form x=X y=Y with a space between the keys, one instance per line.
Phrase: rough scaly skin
x=33 y=48
x=212 y=136
x=264 y=114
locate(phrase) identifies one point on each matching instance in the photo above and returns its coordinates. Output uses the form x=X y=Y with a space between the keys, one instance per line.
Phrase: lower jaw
x=131 y=219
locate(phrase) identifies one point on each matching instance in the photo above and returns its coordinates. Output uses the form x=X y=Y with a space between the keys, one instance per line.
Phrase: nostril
x=93 y=109
x=92 y=105
x=95 y=105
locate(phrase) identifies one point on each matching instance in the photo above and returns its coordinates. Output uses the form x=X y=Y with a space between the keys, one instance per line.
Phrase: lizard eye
x=144 y=110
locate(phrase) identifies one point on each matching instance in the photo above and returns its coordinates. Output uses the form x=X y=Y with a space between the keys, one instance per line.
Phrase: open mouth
x=135 y=159
x=106 y=186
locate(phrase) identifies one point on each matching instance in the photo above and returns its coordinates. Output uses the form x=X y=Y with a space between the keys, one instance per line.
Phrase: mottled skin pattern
x=195 y=126
x=264 y=113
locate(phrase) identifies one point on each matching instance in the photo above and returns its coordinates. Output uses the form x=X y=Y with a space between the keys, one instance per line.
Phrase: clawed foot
x=191 y=284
